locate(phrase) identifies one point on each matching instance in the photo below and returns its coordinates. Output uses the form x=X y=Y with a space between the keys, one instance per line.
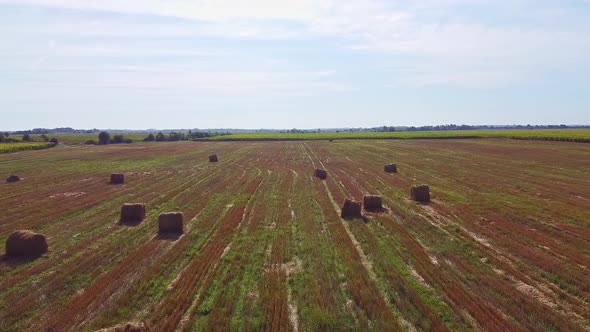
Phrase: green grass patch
x=24 y=146
x=574 y=135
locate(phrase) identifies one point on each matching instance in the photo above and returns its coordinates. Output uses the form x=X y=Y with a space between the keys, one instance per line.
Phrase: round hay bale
x=213 y=158
x=420 y=193
x=13 y=178
x=171 y=222
x=26 y=244
x=390 y=168
x=132 y=212
x=351 y=209
x=372 y=203
x=320 y=173
x=117 y=178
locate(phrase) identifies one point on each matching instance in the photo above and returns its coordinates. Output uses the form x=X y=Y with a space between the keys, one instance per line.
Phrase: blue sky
x=140 y=64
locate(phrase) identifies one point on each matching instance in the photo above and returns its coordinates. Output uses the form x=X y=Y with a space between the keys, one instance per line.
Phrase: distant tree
x=44 y=138
x=118 y=139
x=150 y=138
x=174 y=136
x=54 y=141
x=198 y=134
x=104 y=138
x=26 y=138
x=160 y=137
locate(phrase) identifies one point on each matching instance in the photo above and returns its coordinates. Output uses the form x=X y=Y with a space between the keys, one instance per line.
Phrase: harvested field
x=504 y=243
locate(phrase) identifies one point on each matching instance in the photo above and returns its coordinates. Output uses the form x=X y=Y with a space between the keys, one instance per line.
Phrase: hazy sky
x=283 y=64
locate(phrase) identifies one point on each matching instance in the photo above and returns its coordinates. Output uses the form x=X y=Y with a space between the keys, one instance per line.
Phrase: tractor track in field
x=376 y=307
x=172 y=309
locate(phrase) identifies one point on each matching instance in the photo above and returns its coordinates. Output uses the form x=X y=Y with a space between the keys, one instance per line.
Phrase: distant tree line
x=7 y=138
x=468 y=127
x=105 y=138
x=174 y=136
x=63 y=130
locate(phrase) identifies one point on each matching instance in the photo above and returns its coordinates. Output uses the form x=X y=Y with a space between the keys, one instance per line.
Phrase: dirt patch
x=418 y=277
x=534 y=293
x=288 y=268
x=292 y=306
x=68 y=194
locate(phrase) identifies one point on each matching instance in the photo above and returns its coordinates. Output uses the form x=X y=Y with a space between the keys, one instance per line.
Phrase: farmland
x=77 y=139
x=570 y=135
x=573 y=135
x=23 y=146
x=504 y=244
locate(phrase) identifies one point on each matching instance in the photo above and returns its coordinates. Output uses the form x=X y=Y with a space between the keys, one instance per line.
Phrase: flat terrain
x=570 y=135
x=505 y=244
x=23 y=146
x=576 y=135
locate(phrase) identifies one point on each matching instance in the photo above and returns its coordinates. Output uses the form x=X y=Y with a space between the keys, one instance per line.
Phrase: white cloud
x=442 y=45
x=170 y=79
x=206 y=10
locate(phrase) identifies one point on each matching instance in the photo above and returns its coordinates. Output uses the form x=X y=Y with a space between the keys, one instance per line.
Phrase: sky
x=139 y=64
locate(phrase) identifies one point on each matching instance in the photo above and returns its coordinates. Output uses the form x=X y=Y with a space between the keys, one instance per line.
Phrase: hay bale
x=126 y=327
x=372 y=203
x=390 y=168
x=26 y=244
x=213 y=158
x=13 y=178
x=320 y=173
x=171 y=222
x=351 y=209
x=132 y=213
x=117 y=178
x=420 y=193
